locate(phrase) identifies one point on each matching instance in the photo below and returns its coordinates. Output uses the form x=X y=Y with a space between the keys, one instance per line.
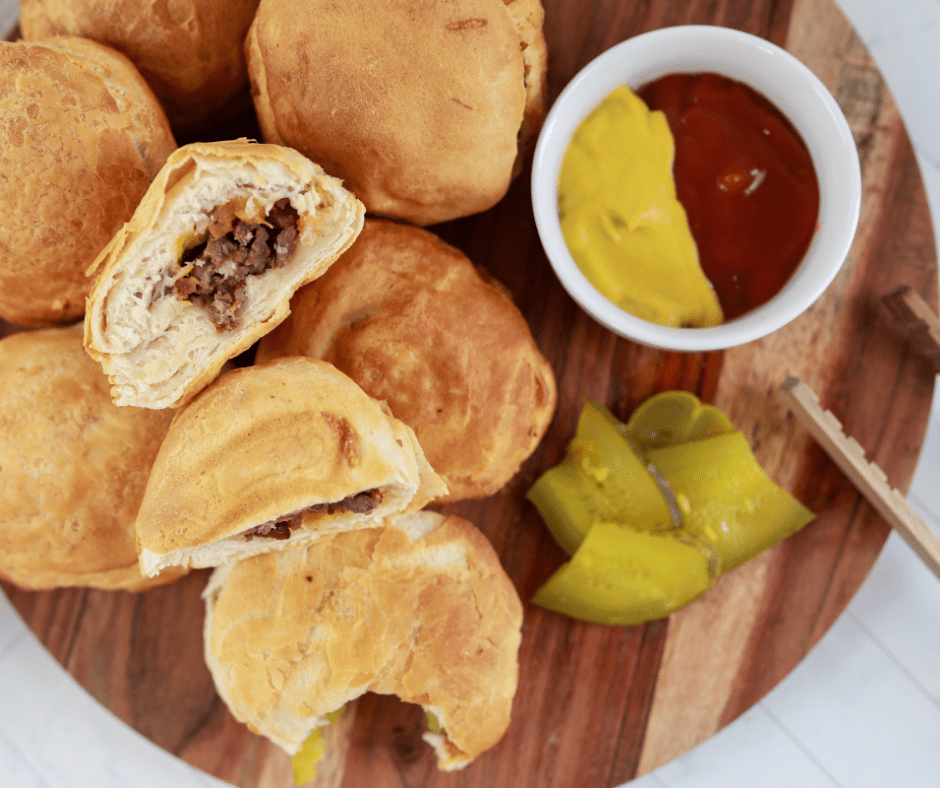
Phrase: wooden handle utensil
x=867 y=477
x=915 y=321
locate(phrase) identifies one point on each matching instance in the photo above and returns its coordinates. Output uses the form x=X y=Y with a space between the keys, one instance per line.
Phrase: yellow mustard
x=621 y=218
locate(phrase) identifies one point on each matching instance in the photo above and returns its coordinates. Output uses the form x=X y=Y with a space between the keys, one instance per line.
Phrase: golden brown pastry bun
x=528 y=16
x=222 y=239
x=272 y=456
x=73 y=467
x=408 y=318
x=189 y=51
x=417 y=107
x=81 y=138
x=423 y=611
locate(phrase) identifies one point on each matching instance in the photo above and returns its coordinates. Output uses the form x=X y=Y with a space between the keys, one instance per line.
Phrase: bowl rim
x=752 y=60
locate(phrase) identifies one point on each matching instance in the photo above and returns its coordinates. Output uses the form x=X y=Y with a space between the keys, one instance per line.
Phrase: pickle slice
x=608 y=505
x=726 y=498
x=311 y=752
x=673 y=417
x=433 y=723
x=623 y=577
x=601 y=478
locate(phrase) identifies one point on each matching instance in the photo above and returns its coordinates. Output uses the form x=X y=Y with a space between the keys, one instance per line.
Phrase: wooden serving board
x=597 y=705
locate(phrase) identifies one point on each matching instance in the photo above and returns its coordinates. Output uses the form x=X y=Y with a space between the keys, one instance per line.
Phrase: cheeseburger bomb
x=223 y=237
x=81 y=138
x=423 y=611
x=73 y=468
x=409 y=318
x=189 y=51
x=274 y=456
x=421 y=109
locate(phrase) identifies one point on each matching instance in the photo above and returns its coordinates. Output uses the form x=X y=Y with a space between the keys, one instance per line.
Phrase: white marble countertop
x=815 y=730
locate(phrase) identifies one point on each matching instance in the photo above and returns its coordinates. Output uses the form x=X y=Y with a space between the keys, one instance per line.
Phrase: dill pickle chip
x=189 y=241
x=608 y=505
x=601 y=478
x=673 y=417
x=433 y=723
x=311 y=752
x=623 y=577
x=726 y=497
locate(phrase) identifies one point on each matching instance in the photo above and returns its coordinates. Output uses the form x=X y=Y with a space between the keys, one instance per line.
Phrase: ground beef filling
x=360 y=503
x=222 y=264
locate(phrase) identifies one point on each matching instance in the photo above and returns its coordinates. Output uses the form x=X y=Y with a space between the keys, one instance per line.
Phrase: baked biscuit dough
x=81 y=138
x=418 y=107
x=73 y=467
x=189 y=51
x=246 y=463
x=158 y=342
x=423 y=611
x=409 y=319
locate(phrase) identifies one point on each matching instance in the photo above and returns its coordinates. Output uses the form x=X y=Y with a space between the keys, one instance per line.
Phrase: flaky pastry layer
x=158 y=348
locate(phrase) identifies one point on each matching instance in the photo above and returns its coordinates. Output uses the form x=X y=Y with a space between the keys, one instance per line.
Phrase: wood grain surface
x=598 y=705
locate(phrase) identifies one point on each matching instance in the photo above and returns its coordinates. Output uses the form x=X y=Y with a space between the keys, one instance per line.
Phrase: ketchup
x=746 y=181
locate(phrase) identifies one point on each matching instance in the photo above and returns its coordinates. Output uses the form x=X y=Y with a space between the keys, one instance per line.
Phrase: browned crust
x=189 y=51
x=81 y=138
x=73 y=467
x=419 y=115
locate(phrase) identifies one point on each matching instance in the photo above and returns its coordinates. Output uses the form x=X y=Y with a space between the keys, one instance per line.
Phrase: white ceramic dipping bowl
x=782 y=79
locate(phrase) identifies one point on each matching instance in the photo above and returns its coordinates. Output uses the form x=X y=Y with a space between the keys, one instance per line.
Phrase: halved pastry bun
x=159 y=346
x=248 y=465
x=423 y=611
